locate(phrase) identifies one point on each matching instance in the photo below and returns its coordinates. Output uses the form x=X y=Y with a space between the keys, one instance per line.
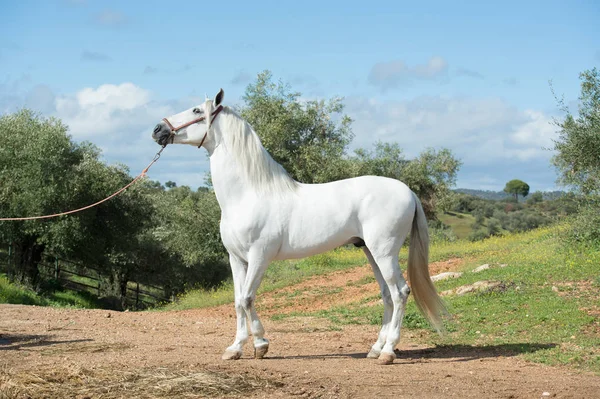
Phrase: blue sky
x=469 y=76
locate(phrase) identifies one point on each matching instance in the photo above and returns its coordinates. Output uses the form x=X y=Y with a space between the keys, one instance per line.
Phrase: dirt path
x=64 y=353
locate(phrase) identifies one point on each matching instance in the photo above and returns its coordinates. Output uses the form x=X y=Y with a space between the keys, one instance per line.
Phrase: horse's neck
x=229 y=185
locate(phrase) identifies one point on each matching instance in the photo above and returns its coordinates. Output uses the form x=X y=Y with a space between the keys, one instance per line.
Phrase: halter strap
x=193 y=121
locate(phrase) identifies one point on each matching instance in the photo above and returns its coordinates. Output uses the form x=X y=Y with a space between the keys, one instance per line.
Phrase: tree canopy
x=578 y=156
x=517 y=187
x=309 y=138
x=578 y=145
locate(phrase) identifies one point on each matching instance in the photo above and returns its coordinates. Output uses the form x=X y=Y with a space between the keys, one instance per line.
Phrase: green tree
x=431 y=176
x=386 y=160
x=42 y=171
x=308 y=138
x=535 y=198
x=187 y=228
x=578 y=156
x=517 y=187
x=578 y=145
x=37 y=159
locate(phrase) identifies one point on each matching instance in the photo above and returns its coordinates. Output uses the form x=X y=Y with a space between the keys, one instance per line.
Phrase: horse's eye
x=197 y=111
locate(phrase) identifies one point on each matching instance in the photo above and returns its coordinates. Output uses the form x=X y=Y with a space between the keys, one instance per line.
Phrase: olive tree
x=578 y=145
x=578 y=156
x=43 y=171
x=309 y=138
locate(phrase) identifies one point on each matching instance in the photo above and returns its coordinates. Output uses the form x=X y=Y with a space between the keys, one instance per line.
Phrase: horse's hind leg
x=388 y=307
x=399 y=290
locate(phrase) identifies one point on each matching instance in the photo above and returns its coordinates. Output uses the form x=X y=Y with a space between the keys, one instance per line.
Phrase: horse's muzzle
x=162 y=134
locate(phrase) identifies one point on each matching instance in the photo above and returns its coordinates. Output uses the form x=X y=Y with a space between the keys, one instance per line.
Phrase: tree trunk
x=119 y=279
x=28 y=254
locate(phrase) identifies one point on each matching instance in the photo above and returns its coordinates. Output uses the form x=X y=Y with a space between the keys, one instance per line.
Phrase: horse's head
x=191 y=126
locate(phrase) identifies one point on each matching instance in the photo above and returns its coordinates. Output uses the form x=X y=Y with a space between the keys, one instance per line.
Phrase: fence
x=79 y=277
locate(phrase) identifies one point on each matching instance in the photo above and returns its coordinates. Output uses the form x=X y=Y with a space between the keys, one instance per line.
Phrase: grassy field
x=460 y=223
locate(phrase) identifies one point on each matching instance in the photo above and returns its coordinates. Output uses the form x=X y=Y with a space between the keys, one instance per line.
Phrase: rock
x=481 y=268
x=446 y=276
x=478 y=286
x=554 y=288
x=545 y=394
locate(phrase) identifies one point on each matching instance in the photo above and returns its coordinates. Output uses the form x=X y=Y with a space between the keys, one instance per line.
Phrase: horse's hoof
x=261 y=351
x=373 y=354
x=386 y=358
x=231 y=355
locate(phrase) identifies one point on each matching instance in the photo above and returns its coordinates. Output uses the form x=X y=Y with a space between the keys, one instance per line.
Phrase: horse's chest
x=242 y=230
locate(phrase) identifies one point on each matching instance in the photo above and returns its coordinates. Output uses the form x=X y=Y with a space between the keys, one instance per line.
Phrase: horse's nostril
x=157 y=128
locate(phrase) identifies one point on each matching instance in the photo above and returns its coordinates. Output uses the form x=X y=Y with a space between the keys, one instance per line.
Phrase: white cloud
x=476 y=129
x=109 y=110
x=124 y=96
x=392 y=74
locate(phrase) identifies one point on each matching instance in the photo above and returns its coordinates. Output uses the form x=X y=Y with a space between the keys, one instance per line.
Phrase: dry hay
x=150 y=383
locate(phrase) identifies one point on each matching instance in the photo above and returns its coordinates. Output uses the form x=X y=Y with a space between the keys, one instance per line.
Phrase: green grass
x=16 y=294
x=460 y=223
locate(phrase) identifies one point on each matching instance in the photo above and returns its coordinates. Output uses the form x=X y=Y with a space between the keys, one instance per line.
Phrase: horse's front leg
x=238 y=270
x=256 y=270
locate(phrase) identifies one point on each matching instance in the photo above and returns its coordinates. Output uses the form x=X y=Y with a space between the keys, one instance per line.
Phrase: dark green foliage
x=495 y=217
x=43 y=172
x=439 y=232
x=308 y=138
x=586 y=224
x=578 y=147
x=517 y=187
x=535 y=198
x=493 y=227
x=477 y=235
x=187 y=228
x=578 y=157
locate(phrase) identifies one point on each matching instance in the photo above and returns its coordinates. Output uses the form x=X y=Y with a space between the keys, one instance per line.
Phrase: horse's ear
x=219 y=98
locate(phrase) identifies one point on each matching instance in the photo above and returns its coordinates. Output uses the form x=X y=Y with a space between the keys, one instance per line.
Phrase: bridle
x=193 y=121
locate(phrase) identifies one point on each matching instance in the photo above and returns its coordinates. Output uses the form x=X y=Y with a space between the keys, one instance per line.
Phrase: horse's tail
x=426 y=297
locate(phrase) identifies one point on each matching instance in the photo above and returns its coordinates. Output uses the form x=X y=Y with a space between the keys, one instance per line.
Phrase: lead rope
x=138 y=177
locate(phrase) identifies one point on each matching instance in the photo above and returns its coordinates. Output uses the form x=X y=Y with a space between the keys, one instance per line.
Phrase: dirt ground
x=67 y=353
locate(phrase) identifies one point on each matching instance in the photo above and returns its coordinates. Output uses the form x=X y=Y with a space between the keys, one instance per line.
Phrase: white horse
x=266 y=216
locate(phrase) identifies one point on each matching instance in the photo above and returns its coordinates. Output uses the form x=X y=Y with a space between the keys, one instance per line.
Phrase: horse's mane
x=244 y=145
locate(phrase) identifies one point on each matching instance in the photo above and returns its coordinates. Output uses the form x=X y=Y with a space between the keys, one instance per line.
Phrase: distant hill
x=500 y=195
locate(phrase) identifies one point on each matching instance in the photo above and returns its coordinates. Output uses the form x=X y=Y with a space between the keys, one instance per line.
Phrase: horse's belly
x=317 y=233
